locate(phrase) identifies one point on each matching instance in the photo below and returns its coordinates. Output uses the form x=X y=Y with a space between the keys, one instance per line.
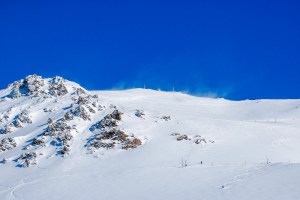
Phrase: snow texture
x=60 y=141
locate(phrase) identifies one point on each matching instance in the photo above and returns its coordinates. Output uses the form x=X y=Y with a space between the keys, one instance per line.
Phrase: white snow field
x=176 y=146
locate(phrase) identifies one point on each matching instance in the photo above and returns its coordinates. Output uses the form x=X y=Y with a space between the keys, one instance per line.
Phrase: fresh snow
x=246 y=149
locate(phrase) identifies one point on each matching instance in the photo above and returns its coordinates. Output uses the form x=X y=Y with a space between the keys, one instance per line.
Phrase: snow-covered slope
x=60 y=141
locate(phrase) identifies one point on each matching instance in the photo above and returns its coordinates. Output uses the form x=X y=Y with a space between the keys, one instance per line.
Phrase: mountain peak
x=57 y=120
x=37 y=86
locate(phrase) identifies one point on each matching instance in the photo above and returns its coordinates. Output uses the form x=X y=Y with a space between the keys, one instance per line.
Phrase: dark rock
x=182 y=137
x=132 y=144
x=65 y=150
x=7 y=144
x=166 y=118
x=81 y=112
x=68 y=116
x=38 y=142
x=139 y=113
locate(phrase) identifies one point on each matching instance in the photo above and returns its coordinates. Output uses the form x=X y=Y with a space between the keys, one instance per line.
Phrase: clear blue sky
x=234 y=49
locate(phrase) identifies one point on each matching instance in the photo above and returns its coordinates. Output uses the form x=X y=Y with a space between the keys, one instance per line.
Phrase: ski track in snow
x=231 y=183
x=24 y=183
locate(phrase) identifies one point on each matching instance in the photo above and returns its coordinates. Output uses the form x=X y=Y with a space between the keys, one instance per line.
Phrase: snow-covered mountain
x=60 y=141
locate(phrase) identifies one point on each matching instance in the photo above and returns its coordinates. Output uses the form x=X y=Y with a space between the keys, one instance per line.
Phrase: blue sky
x=232 y=49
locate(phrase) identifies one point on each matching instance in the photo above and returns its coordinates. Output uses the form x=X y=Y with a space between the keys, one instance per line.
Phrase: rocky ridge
x=59 y=132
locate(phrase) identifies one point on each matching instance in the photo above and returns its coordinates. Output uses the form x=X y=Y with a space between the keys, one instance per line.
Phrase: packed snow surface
x=60 y=141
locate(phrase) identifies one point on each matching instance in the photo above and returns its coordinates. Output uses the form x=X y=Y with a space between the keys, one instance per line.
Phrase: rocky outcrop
x=57 y=128
x=36 y=86
x=19 y=122
x=35 y=99
x=166 y=118
x=8 y=128
x=81 y=111
x=7 y=144
x=60 y=131
x=197 y=139
x=139 y=113
x=27 y=159
x=109 y=136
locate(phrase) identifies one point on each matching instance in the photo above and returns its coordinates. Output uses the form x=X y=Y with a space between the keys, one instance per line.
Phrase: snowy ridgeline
x=64 y=106
x=143 y=136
